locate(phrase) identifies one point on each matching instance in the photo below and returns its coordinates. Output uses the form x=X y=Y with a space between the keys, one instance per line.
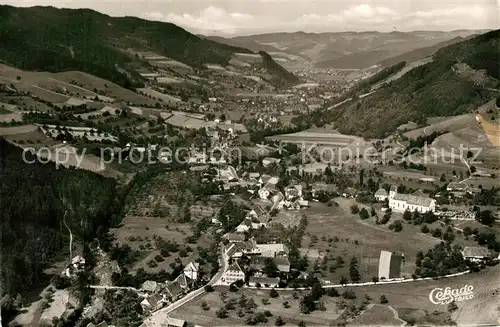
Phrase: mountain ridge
x=98 y=44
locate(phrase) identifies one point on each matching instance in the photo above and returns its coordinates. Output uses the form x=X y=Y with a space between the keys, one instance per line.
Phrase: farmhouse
x=232 y=274
x=458 y=188
x=149 y=286
x=475 y=253
x=191 y=270
x=273 y=250
x=415 y=202
x=238 y=249
x=258 y=263
x=389 y=265
x=381 y=195
x=153 y=302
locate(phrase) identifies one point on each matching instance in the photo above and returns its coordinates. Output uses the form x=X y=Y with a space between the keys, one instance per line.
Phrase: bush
x=208 y=288
x=221 y=313
x=349 y=295
x=273 y=293
x=332 y=292
x=205 y=306
x=383 y=299
x=265 y=301
x=452 y=307
x=279 y=321
x=354 y=209
x=158 y=258
x=425 y=229
x=363 y=214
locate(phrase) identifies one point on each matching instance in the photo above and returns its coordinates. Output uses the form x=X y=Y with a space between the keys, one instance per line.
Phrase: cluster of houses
x=156 y=295
x=250 y=262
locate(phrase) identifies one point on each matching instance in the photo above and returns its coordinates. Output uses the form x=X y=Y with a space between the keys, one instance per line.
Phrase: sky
x=244 y=17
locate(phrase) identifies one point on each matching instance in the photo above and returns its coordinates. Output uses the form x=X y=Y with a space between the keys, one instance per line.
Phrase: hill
x=458 y=80
x=55 y=40
x=34 y=199
x=420 y=53
x=345 y=49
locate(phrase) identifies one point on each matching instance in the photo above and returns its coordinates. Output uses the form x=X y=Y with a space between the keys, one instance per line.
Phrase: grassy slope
x=42 y=38
x=426 y=91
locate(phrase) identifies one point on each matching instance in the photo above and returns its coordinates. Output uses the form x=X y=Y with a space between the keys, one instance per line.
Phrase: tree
x=407 y=215
x=205 y=306
x=373 y=212
x=221 y=313
x=383 y=299
x=363 y=214
x=273 y=293
x=354 y=209
x=279 y=321
x=208 y=288
x=397 y=226
x=343 y=280
x=485 y=217
x=353 y=270
x=425 y=229
x=452 y=307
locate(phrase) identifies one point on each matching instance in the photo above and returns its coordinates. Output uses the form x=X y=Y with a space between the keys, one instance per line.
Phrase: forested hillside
x=33 y=200
x=434 y=89
x=51 y=39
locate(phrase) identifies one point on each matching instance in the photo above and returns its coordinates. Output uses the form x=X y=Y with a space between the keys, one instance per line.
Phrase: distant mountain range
x=461 y=77
x=51 y=39
x=349 y=49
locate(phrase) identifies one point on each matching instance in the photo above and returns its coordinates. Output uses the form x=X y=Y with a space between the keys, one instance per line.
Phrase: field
x=336 y=232
x=380 y=315
x=139 y=233
x=159 y=210
x=157 y=95
x=193 y=312
x=482 y=309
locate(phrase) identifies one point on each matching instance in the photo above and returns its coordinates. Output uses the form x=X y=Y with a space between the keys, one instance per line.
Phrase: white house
x=232 y=274
x=238 y=249
x=381 y=195
x=191 y=270
x=401 y=202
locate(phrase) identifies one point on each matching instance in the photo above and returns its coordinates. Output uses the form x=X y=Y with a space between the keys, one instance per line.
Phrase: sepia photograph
x=199 y=163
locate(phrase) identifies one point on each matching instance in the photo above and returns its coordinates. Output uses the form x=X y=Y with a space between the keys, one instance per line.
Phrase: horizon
x=227 y=19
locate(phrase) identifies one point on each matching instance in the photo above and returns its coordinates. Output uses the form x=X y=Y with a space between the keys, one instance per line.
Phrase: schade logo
x=448 y=295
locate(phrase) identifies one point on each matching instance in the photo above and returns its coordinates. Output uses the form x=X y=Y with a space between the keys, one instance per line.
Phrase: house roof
x=423 y=201
x=235 y=237
x=175 y=322
x=457 y=186
x=264 y=280
x=149 y=286
x=234 y=267
x=381 y=192
x=174 y=288
x=476 y=251
x=419 y=193
x=153 y=300
x=273 y=250
x=192 y=266
x=258 y=262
